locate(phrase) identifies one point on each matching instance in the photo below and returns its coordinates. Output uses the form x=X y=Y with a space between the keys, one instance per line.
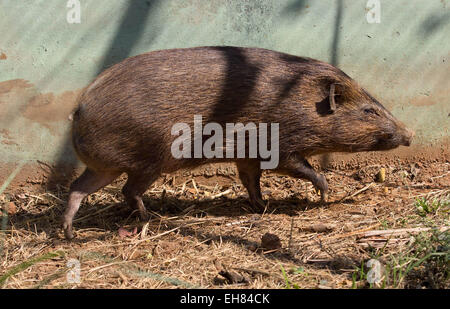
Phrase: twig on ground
x=402 y=231
x=95 y=213
x=356 y=193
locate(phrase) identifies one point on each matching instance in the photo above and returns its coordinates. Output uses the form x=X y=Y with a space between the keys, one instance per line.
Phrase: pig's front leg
x=299 y=167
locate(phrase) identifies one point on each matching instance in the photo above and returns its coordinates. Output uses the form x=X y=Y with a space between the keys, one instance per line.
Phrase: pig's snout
x=407 y=137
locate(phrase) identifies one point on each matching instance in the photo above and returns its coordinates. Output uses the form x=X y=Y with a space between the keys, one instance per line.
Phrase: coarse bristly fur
x=124 y=118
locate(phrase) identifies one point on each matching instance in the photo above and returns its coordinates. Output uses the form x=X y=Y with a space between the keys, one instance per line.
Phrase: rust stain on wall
x=3 y=56
x=20 y=97
x=423 y=101
x=48 y=107
x=5 y=133
x=9 y=143
x=434 y=96
x=13 y=93
x=6 y=138
x=9 y=85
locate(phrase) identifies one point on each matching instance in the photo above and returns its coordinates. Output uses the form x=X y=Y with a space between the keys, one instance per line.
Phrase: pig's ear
x=331 y=98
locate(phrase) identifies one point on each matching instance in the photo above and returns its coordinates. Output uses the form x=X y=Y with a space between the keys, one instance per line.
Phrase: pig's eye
x=370 y=111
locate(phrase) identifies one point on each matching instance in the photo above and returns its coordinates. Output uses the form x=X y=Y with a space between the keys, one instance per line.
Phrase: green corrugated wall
x=44 y=61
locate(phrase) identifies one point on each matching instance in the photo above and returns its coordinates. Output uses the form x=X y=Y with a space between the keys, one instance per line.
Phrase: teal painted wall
x=404 y=60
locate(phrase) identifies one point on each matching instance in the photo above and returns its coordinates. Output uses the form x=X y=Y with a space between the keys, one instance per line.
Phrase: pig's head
x=359 y=122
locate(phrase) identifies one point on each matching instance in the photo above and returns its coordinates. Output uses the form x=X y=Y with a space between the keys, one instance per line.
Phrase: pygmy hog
x=124 y=120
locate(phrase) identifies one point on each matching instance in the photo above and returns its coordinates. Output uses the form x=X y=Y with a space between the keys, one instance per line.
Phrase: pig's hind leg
x=89 y=182
x=250 y=174
x=133 y=190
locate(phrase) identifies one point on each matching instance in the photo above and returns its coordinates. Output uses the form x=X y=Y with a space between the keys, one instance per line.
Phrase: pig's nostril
x=408 y=138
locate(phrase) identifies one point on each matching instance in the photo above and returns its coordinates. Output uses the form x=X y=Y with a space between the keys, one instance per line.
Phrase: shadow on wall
x=128 y=34
x=433 y=23
x=326 y=158
x=130 y=31
x=294 y=9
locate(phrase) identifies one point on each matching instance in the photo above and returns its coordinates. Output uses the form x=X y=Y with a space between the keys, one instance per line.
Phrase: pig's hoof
x=68 y=231
x=144 y=215
x=323 y=197
x=258 y=204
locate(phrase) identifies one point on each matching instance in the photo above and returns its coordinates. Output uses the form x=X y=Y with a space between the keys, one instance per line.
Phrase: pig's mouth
x=391 y=141
x=383 y=144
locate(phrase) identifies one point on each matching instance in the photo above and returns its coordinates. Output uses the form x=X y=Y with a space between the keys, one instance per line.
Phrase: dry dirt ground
x=203 y=233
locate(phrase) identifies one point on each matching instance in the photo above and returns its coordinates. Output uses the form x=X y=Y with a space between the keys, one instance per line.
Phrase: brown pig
x=125 y=118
